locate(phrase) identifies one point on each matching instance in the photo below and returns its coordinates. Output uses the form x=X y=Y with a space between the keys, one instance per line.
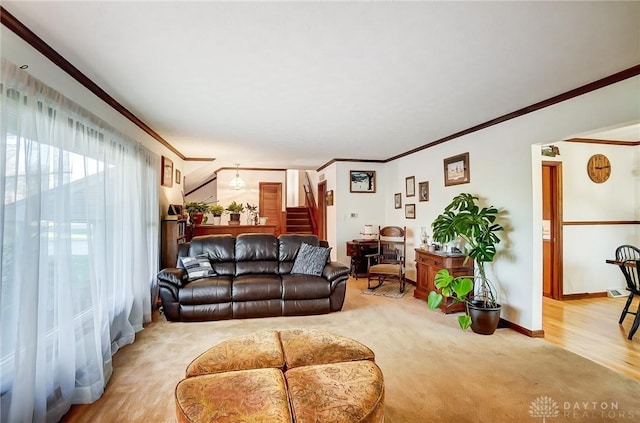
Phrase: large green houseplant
x=477 y=227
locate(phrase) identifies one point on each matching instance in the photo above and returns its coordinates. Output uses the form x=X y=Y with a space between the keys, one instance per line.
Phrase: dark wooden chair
x=389 y=260
x=629 y=258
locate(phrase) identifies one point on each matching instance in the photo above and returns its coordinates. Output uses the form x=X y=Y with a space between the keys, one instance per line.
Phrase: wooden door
x=271 y=203
x=552 y=230
x=322 y=210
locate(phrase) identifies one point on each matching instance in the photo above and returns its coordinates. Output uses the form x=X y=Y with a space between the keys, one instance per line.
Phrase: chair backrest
x=629 y=256
x=627 y=252
x=392 y=244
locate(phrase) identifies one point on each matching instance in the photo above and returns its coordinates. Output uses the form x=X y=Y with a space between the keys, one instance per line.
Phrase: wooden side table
x=358 y=250
x=428 y=263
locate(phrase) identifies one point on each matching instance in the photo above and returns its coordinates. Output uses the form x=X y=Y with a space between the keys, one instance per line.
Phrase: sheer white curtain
x=79 y=227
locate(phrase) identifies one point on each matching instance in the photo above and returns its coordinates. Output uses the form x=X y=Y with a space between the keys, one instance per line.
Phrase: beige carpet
x=423 y=354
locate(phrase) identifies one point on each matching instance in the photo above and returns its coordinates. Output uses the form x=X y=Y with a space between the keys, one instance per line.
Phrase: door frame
x=322 y=210
x=555 y=196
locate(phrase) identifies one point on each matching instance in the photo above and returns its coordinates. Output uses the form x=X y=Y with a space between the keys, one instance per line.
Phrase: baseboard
x=584 y=295
x=530 y=333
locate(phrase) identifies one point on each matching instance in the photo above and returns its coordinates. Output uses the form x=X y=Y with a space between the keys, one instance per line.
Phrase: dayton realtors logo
x=546 y=407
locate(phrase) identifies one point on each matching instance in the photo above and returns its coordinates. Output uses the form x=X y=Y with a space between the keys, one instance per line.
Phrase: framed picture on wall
x=410 y=186
x=456 y=170
x=397 y=200
x=423 y=191
x=362 y=181
x=329 y=198
x=410 y=211
x=166 y=177
x=178 y=176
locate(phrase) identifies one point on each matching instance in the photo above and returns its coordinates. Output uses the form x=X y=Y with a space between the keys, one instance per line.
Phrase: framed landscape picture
x=456 y=170
x=397 y=200
x=423 y=191
x=166 y=179
x=362 y=181
x=410 y=186
x=410 y=211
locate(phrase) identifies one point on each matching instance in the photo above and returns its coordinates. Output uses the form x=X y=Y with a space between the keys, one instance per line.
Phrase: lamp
x=237 y=182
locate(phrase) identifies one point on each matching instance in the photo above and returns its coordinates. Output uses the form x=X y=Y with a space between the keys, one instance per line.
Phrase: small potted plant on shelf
x=234 y=209
x=196 y=211
x=477 y=227
x=216 y=210
x=253 y=214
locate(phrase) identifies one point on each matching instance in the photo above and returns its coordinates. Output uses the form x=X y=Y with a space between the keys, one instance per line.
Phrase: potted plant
x=253 y=214
x=477 y=227
x=216 y=210
x=196 y=211
x=234 y=209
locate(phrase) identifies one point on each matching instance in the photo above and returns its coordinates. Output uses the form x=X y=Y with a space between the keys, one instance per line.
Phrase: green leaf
x=434 y=300
x=462 y=287
x=464 y=321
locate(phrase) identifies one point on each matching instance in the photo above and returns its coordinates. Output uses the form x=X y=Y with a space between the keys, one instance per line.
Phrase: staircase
x=298 y=221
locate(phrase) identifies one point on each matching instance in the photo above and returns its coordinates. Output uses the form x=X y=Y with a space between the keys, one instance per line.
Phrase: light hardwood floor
x=589 y=328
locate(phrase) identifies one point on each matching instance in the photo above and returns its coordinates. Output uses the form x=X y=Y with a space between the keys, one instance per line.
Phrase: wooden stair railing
x=310 y=203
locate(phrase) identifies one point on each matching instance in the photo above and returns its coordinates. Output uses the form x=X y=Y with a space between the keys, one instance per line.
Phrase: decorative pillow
x=197 y=267
x=310 y=260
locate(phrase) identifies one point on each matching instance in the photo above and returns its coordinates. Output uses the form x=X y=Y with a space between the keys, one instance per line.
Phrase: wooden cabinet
x=428 y=264
x=174 y=232
x=233 y=230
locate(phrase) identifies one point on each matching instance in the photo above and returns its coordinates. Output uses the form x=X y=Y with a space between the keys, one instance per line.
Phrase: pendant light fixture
x=237 y=182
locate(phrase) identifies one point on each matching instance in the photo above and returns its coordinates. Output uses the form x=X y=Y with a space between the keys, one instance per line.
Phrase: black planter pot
x=234 y=218
x=484 y=320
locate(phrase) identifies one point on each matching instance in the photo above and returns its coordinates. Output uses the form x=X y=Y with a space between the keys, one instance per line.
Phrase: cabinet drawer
x=429 y=261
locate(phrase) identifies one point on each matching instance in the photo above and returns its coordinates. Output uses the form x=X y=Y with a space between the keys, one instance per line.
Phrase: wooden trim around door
x=557 y=281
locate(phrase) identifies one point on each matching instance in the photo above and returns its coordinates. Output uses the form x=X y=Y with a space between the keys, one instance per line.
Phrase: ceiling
x=297 y=84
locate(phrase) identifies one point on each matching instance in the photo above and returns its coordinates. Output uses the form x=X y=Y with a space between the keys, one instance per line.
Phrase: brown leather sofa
x=252 y=279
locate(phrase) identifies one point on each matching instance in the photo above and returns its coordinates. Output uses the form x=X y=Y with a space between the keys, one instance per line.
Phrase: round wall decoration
x=599 y=168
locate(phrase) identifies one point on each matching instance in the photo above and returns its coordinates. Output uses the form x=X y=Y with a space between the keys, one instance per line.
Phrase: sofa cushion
x=219 y=248
x=288 y=246
x=257 y=287
x=310 y=260
x=197 y=267
x=206 y=291
x=256 y=253
x=304 y=287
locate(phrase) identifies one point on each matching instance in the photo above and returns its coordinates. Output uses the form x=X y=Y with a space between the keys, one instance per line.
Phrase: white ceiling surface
x=296 y=84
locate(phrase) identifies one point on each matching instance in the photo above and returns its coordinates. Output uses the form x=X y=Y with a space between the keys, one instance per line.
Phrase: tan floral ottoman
x=323 y=377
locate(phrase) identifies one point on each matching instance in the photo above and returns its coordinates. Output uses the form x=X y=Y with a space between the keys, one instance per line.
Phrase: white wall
x=505 y=172
x=586 y=201
x=14 y=49
x=251 y=192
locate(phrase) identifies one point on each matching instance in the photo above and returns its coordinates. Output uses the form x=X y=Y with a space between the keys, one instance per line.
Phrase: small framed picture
x=362 y=181
x=329 y=198
x=397 y=200
x=166 y=179
x=178 y=176
x=423 y=191
x=410 y=211
x=410 y=186
x=456 y=170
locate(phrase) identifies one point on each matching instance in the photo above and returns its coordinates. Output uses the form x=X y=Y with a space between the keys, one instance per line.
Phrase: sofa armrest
x=173 y=276
x=334 y=270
